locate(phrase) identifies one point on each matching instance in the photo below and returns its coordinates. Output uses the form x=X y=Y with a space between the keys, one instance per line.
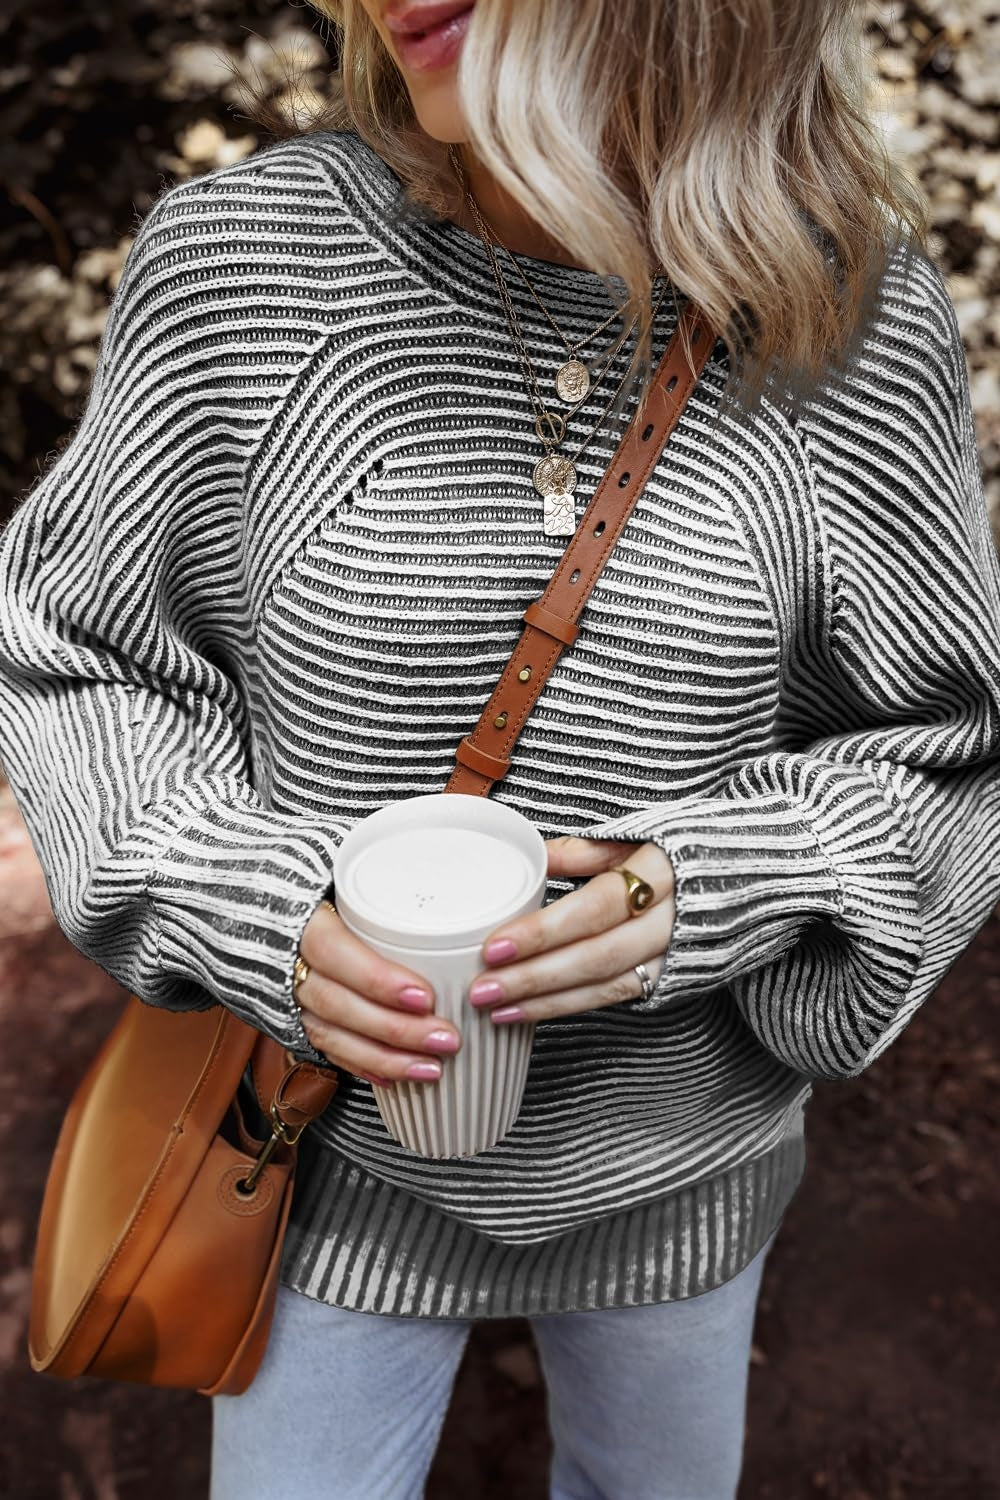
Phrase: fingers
x=335 y=1005
x=597 y=906
x=376 y=1018
x=606 y=957
x=573 y=856
x=359 y=1053
x=612 y=991
x=361 y=1011
x=329 y=947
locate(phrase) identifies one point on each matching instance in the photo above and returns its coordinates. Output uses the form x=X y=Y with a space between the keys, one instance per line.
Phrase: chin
x=438 y=114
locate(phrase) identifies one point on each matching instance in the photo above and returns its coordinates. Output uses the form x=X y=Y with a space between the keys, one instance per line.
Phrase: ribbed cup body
x=477 y=1098
x=425 y=881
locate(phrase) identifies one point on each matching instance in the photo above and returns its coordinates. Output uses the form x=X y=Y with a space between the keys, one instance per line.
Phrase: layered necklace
x=554 y=475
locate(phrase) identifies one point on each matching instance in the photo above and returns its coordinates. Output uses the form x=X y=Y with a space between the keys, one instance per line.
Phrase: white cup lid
x=438 y=871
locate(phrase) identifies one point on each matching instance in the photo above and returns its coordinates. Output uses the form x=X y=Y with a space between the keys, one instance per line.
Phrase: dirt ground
x=875 y=1372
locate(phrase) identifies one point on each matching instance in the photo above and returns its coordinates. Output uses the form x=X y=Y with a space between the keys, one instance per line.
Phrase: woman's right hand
x=366 y=1013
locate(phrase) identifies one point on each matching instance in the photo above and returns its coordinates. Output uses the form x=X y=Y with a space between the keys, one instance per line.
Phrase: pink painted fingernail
x=500 y=950
x=485 y=992
x=411 y=997
x=441 y=1041
x=507 y=1013
x=427 y=1072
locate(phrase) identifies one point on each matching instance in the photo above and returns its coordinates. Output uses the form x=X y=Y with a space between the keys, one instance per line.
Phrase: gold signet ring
x=300 y=972
x=640 y=893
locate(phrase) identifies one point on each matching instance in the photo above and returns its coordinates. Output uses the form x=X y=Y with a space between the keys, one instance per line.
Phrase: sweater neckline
x=455 y=262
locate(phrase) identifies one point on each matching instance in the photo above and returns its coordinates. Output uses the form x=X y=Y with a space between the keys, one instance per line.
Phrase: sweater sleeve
x=124 y=724
x=831 y=883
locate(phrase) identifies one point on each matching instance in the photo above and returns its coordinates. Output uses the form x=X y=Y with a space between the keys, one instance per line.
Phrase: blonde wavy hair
x=728 y=141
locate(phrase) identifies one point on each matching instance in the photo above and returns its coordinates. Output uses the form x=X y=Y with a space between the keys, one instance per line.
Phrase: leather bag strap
x=298 y=1090
x=551 y=621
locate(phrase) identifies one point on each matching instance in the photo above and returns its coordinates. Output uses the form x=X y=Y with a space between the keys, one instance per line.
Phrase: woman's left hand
x=578 y=953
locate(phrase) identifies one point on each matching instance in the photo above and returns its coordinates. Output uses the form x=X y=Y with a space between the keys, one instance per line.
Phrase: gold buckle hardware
x=280 y=1132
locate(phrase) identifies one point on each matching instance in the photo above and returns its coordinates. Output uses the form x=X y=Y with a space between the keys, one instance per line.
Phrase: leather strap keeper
x=478 y=760
x=552 y=624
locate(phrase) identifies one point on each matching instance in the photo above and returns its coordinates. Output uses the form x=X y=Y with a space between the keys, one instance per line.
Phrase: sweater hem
x=356 y=1242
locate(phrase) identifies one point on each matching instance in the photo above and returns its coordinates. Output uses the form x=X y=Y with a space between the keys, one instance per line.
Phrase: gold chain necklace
x=572 y=381
x=554 y=475
x=573 y=378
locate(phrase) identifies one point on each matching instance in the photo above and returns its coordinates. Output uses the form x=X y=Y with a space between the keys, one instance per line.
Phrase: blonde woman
x=272 y=580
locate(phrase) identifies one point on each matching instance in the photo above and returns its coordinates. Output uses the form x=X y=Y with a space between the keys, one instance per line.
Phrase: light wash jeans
x=643 y=1403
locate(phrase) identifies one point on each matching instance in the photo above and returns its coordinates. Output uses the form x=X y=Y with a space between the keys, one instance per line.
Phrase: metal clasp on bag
x=280 y=1132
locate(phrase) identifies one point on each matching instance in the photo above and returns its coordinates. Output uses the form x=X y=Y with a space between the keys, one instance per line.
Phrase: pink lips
x=429 y=36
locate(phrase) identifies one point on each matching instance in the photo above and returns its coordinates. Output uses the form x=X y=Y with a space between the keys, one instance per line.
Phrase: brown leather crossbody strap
x=550 y=621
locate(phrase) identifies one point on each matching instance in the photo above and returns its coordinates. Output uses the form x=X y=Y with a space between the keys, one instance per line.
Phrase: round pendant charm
x=554 y=475
x=573 y=380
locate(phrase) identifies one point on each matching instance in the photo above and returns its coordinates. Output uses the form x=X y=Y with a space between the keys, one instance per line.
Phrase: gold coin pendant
x=554 y=474
x=573 y=380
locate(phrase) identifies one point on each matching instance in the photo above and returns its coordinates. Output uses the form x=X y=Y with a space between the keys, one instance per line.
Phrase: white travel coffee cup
x=424 y=881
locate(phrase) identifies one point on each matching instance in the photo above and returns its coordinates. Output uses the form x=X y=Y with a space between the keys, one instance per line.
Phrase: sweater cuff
x=231 y=893
x=749 y=878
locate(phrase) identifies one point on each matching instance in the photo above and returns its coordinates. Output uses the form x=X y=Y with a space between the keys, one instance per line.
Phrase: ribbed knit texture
x=272 y=581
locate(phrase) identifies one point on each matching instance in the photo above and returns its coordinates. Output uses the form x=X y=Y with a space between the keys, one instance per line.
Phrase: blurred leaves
x=104 y=103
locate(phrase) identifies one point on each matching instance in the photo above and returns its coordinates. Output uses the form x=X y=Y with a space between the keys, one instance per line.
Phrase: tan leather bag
x=152 y=1262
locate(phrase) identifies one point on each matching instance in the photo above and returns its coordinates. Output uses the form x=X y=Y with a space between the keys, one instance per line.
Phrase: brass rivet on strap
x=500 y=721
x=524 y=675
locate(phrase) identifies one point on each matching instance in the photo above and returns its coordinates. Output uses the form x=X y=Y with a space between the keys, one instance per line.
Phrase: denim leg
x=649 y=1403
x=345 y=1406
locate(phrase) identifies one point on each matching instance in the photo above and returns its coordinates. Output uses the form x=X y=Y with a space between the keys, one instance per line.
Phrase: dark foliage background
x=105 y=102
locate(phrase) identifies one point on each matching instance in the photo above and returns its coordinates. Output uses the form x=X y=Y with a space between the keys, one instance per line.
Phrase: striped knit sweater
x=271 y=582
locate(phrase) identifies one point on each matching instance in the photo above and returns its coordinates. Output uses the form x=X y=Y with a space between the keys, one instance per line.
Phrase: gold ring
x=300 y=972
x=640 y=893
x=330 y=907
